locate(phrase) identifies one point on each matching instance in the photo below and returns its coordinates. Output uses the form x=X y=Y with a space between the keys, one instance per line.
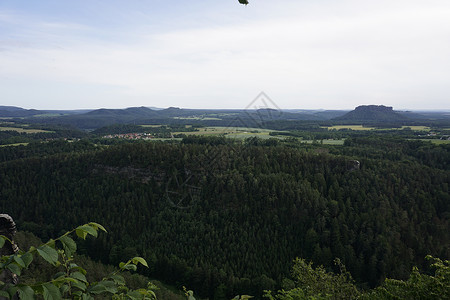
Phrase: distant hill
x=94 y=119
x=372 y=113
x=11 y=108
x=17 y=112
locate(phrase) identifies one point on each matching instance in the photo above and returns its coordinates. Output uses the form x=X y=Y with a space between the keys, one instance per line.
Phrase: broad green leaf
x=118 y=279
x=134 y=295
x=87 y=229
x=27 y=259
x=81 y=233
x=19 y=261
x=48 y=253
x=69 y=279
x=97 y=226
x=79 y=285
x=64 y=289
x=58 y=275
x=110 y=286
x=14 y=268
x=76 y=267
x=140 y=260
x=26 y=293
x=79 y=276
x=2 y=242
x=97 y=289
x=51 y=292
x=69 y=245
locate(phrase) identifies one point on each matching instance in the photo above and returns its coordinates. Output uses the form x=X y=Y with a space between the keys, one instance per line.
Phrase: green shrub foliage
x=69 y=280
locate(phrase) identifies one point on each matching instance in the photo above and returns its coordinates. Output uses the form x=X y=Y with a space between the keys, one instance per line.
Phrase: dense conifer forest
x=228 y=216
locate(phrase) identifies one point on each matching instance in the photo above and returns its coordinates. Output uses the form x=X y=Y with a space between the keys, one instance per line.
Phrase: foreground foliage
x=69 y=280
x=309 y=283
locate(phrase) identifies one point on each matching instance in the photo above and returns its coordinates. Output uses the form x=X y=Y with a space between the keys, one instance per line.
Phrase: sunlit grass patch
x=18 y=129
x=350 y=127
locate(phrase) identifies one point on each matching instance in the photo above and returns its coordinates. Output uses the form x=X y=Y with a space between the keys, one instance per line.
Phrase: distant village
x=130 y=136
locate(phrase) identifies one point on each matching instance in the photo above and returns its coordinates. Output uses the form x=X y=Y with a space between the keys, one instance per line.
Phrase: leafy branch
x=71 y=283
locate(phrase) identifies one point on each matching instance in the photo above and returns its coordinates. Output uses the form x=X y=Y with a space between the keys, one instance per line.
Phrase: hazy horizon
x=206 y=108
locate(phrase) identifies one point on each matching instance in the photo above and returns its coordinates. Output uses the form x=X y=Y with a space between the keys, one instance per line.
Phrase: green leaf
x=58 y=275
x=140 y=260
x=48 y=253
x=64 y=289
x=51 y=292
x=14 y=268
x=19 y=261
x=69 y=245
x=12 y=291
x=97 y=289
x=76 y=267
x=118 y=279
x=26 y=293
x=79 y=285
x=87 y=230
x=110 y=286
x=2 y=242
x=79 y=276
x=51 y=243
x=130 y=267
x=97 y=226
x=81 y=233
x=27 y=259
x=103 y=286
x=134 y=295
x=190 y=295
x=4 y=294
x=86 y=297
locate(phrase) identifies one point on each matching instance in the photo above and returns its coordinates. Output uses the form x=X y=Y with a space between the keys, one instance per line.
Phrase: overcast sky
x=305 y=54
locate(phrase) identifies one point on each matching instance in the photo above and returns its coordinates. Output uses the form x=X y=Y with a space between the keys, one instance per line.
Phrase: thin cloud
x=335 y=56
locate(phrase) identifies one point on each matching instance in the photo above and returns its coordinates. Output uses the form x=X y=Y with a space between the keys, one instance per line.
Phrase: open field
x=197 y=118
x=351 y=127
x=233 y=132
x=17 y=144
x=23 y=130
x=437 y=142
x=325 y=142
x=152 y=126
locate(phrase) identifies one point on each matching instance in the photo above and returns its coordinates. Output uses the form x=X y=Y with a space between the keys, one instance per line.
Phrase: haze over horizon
x=221 y=55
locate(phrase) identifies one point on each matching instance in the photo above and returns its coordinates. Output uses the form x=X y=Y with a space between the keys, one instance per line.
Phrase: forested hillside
x=206 y=212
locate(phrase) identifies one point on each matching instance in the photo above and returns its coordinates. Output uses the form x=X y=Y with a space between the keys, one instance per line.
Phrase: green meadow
x=25 y=130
